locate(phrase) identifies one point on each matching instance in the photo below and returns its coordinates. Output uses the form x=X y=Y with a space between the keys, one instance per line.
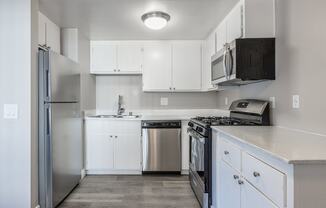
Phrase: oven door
x=199 y=167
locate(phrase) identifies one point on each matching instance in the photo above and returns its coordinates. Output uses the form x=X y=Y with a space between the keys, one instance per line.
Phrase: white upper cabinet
x=221 y=36
x=103 y=58
x=172 y=66
x=247 y=19
x=186 y=63
x=157 y=68
x=130 y=58
x=234 y=23
x=208 y=52
x=48 y=33
x=115 y=58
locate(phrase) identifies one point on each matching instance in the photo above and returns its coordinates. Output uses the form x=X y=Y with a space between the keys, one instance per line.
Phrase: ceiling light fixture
x=156 y=20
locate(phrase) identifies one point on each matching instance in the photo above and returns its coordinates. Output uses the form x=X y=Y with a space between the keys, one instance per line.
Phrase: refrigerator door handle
x=48 y=159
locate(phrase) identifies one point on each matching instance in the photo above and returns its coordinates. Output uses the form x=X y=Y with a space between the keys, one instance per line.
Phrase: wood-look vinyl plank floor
x=132 y=192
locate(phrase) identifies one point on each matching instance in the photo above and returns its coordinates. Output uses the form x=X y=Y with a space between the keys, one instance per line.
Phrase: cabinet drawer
x=265 y=178
x=231 y=154
x=252 y=198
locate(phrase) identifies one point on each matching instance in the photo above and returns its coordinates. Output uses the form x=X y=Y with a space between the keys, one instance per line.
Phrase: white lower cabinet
x=244 y=181
x=113 y=147
x=252 y=198
x=229 y=188
x=99 y=151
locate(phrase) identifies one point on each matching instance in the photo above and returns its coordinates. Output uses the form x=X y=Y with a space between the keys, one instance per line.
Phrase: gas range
x=242 y=112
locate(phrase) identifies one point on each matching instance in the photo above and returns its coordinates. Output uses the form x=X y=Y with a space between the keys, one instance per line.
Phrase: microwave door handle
x=225 y=64
x=230 y=65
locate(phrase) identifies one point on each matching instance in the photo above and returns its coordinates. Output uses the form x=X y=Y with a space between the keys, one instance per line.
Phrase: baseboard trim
x=113 y=172
x=184 y=172
x=82 y=174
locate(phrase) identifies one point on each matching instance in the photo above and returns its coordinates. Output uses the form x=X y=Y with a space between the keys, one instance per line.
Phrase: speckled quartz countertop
x=290 y=146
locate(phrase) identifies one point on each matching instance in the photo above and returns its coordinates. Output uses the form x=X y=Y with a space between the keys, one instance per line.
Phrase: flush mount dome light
x=156 y=20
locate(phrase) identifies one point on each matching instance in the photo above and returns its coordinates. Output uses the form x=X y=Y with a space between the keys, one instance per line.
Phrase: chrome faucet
x=121 y=110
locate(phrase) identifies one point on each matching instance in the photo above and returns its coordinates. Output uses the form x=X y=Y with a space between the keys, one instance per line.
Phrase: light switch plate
x=164 y=101
x=10 y=111
x=296 y=101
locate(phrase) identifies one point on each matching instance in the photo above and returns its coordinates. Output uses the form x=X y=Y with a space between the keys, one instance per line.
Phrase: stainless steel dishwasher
x=161 y=146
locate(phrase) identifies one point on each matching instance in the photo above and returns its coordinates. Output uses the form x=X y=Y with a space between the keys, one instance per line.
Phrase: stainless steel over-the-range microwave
x=244 y=61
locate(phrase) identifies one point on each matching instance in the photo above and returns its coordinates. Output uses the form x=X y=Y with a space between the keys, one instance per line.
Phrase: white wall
x=18 y=140
x=130 y=87
x=300 y=67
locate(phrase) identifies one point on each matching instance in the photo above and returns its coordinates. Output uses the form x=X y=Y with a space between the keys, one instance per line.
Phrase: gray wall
x=88 y=81
x=109 y=87
x=300 y=63
x=18 y=141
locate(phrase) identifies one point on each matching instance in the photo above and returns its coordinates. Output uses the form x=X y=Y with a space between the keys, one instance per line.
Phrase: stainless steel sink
x=116 y=116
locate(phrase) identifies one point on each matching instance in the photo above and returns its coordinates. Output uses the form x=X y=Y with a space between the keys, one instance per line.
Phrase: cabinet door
x=234 y=23
x=53 y=36
x=103 y=59
x=41 y=29
x=208 y=52
x=185 y=146
x=229 y=188
x=157 y=68
x=252 y=198
x=186 y=66
x=130 y=59
x=221 y=36
x=99 y=152
x=127 y=152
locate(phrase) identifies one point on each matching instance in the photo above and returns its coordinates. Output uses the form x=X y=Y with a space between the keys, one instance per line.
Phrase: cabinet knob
x=235 y=177
x=170 y=88
x=174 y=88
x=226 y=152
x=115 y=136
x=256 y=174
x=115 y=70
x=118 y=70
x=111 y=136
x=240 y=182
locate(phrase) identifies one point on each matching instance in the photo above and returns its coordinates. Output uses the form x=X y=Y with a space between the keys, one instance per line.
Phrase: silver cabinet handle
x=226 y=152
x=235 y=177
x=240 y=182
x=256 y=174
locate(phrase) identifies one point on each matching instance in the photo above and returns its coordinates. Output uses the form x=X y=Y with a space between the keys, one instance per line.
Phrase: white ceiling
x=120 y=19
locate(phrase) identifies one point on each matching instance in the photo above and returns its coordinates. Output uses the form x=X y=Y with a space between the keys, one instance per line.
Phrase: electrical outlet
x=226 y=101
x=273 y=102
x=10 y=111
x=296 y=101
x=164 y=101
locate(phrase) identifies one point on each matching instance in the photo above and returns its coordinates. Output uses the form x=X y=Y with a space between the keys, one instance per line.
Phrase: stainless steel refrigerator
x=60 y=128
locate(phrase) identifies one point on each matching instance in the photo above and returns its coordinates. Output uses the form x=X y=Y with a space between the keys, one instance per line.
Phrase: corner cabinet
x=113 y=147
x=115 y=58
x=172 y=67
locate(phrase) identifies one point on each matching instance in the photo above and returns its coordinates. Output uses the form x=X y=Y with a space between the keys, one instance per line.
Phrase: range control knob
x=190 y=124
x=199 y=129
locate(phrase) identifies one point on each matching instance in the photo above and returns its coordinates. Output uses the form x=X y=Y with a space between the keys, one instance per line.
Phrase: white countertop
x=290 y=146
x=162 y=114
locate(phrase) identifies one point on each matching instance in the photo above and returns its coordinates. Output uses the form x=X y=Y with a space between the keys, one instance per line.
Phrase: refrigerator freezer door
x=61 y=78
x=66 y=141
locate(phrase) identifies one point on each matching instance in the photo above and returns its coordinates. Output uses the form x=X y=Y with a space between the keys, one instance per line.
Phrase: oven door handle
x=196 y=136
